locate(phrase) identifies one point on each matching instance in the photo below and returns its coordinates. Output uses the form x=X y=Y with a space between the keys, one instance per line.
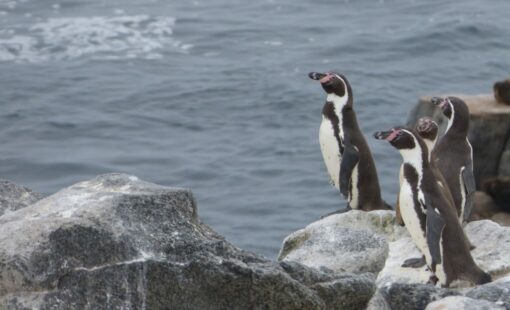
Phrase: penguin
x=430 y=219
x=453 y=154
x=428 y=130
x=345 y=151
x=502 y=92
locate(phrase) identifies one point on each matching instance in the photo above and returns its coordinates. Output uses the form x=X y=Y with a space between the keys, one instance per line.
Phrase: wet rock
x=121 y=243
x=342 y=242
x=401 y=296
x=463 y=303
x=489 y=132
x=14 y=197
x=497 y=292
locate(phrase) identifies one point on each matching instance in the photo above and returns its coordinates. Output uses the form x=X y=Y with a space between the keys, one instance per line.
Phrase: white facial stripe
x=450 y=120
x=430 y=145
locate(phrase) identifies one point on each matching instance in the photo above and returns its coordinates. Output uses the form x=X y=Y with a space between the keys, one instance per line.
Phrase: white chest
x=412 y=220
x=330 y=151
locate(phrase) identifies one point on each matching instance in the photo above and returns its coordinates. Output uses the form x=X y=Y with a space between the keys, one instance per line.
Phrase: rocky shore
x=373 y=241
x=117 y=242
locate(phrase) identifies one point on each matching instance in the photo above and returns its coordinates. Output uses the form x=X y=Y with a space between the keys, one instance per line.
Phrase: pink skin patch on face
x=326 y=79
x=443 y=104
x=393 y=135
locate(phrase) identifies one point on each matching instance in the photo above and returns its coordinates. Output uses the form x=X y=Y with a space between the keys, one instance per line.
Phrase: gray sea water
x=214 y=95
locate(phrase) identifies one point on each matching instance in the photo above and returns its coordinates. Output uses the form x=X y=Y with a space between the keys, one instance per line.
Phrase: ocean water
x=214 y=95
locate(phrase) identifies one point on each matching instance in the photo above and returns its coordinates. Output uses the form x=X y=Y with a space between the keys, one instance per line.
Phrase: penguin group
x=436 y=177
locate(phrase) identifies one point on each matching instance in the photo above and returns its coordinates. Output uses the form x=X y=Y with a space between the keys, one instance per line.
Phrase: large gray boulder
x=14 y=197
x=489 y=132
x=349 y=242
x=116 y=242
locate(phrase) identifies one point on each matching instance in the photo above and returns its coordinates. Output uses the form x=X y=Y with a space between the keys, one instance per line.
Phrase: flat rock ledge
x=116 y=242
x=358 y=241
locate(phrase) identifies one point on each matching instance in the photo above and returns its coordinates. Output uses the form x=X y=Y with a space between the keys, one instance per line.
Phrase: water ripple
x=98 y=37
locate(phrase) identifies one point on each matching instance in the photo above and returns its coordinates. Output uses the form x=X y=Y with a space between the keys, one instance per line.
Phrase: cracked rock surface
x=116 y=242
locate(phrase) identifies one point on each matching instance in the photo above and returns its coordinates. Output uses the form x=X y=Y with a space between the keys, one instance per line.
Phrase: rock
x=463 y=303
x=484 y=207
x=342 y=242
x=347 y=292
x=499 y=189
x=412 y=296
x=14 y=197
x=492 y=250
x=492 y=243
x=489 y=132
x=117 y=242
x=400 y=250
x=502 y=218
x=497 y=292
x=378 y=302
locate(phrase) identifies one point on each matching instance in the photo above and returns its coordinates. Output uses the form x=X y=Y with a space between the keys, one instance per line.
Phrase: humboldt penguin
x=345 y=151
x=430 y=219
x=453 y=155
x=428 y=130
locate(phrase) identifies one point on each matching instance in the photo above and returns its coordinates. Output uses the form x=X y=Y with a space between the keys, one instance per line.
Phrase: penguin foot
x=337 y=212
x=414 y=262
x=433 y=280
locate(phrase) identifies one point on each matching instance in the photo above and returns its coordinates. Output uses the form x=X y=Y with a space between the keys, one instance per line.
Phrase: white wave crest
x=99 y=37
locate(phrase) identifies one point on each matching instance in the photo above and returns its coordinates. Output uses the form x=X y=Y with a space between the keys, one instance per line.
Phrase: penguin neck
x=457 y=127
x=414 y=157
x=338 y=102
x=430 y=146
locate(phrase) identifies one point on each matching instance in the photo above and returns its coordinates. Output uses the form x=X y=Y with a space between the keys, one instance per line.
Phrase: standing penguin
x=345 y=151
x=428 y=215
x=428 y=131
x=453 y=155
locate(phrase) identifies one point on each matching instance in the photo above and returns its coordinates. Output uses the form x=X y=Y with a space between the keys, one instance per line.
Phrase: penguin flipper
x=468 y=179
x=434 y=229
x=350 y=159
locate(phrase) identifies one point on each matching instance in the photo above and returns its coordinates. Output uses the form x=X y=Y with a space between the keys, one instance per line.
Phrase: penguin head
x=400 y=137
x=333 y=83
x=427 y=128
x=457 y=112
x=444 y=104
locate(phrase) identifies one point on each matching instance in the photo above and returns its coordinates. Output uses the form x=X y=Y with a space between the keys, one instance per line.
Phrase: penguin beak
x=316 y=75
x=438 y=101
x=389 y=135
x=382 y=135
x=324 y=78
